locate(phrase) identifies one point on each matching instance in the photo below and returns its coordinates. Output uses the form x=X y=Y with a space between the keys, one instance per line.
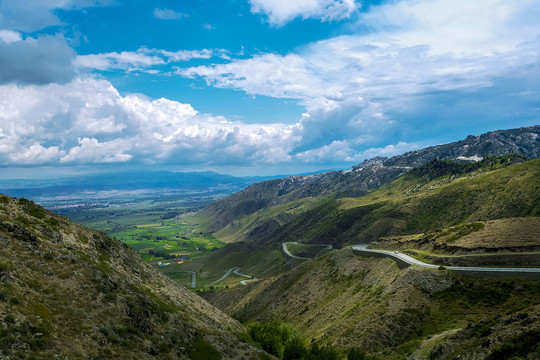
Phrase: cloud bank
x=357 y=87
x=88 y=122
x=407 y=67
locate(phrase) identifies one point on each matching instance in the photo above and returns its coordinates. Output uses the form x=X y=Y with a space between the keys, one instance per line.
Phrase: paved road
x=236 y=270
x=529 y=272
x=244 y=282
x=287 y=252
x=193 y=276
x=225 y=276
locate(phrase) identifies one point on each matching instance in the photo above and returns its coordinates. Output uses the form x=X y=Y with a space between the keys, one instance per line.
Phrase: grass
x=264 y=262
x=411 y=205
x=371 y=304
x=157 y=240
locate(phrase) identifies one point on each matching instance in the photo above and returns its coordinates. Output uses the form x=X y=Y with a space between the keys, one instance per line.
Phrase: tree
x=356 y=354
x=294 y=349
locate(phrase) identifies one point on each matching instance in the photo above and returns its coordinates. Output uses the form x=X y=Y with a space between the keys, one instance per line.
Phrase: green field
x=155 y=228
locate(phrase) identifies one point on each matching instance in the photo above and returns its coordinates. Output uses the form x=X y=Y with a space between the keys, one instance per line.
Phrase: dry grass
x=504 y=233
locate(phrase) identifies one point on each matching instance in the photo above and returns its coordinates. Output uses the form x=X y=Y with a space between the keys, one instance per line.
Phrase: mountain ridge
x=368 y=175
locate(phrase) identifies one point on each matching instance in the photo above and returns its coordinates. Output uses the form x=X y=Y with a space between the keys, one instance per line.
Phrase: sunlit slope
x=365 y=177
x=413 y=205
x=345 y=300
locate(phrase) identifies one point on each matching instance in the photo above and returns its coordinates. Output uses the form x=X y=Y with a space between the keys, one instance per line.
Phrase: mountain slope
x=369 y=175
x=414 y=203
x=71 y=292
x=344 y=300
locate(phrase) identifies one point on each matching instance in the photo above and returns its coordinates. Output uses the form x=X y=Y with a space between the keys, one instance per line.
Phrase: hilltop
x=71 y=292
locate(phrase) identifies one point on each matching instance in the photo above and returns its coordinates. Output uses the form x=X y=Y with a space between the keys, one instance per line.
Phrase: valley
x=435 y=261
x=465 y=237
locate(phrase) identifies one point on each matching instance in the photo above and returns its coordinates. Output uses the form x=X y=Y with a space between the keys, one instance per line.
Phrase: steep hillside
x=70 y=292
x=413 y=204
x=348 y=301
x=369 y=175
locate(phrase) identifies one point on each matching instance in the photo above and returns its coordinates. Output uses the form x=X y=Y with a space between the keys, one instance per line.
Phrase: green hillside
x=346 y=301
x=369 y=175
x=415 y=203
x=69 y=292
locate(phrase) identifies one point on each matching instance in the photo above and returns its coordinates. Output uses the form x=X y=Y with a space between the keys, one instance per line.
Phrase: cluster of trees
x=285 y=342
x=436 y=168
x=163 y=255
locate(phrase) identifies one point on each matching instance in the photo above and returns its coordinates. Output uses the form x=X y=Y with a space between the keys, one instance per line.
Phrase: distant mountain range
x=127 y=181
x=369 y=175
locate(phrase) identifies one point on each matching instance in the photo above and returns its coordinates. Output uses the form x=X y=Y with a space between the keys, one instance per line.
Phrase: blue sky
x=256 y=87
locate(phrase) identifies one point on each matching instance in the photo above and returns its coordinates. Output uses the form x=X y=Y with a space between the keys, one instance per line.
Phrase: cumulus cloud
x=357 y=87
x=35 y=155
x=280 y=12
x=40 y=60
x=87 y=121
x=90 y=150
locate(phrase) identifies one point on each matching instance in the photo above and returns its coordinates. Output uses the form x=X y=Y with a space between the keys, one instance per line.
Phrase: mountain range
x=73 y=292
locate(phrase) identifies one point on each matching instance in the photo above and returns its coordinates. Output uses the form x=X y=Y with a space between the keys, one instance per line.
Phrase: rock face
x=69 y=292
x=370 y=174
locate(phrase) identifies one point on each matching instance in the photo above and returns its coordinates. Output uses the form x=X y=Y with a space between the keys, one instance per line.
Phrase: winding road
x=288 y=253
x=235 y=270
x=244 y=282
x=225 y=275
x=529 y=273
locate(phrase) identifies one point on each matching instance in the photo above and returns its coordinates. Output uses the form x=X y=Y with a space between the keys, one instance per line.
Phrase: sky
x=256 y=87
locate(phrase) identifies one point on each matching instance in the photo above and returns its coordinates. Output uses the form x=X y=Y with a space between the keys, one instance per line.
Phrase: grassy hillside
x=441 y=208
x=259 y=262
x=367 y=176
x=347 y=301
x=412 y=205
x=70 y=292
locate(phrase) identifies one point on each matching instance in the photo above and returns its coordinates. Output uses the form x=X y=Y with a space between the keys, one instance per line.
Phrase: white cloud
x=141 y=59
x=280 y=12
x=389 y=150
x=336 y=152
x=87 y=121
x=90 y=150
x=125 y=60
x=358 y=87
x=167 y=14
x=36 y=154
x=9 y=36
